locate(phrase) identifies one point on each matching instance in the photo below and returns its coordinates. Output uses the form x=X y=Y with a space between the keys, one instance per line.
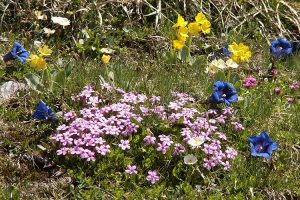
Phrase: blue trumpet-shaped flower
x=223 y=93
x=17 y=52
x=280 y=48
x=226 y=51
x=262 y=145
x=43 y=112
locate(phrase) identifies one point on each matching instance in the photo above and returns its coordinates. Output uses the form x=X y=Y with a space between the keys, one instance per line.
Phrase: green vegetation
x=30 y=167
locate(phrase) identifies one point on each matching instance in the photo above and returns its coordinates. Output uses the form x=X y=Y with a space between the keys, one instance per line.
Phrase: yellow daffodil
x=194 y=28
x=200 y=18
x=180 y=22
x=240 y=52
x=178 y=44
x=205 y=27
x=37 y=62
x=182 y=33
x=105 y=58
x=44 y=51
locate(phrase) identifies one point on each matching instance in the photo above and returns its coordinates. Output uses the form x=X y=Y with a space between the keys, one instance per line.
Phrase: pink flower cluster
x=249 y=82
x=110 y=122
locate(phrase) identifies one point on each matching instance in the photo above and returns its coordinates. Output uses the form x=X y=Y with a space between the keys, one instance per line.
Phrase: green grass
x=250 y=178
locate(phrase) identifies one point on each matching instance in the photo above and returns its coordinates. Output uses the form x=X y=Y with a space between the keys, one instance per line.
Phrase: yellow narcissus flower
x=37 y=62
x=200 y=17
x=180 y=22
x=194 y=28
x=240 y=52
x=45 y=51
x=178 y=44
x=105 y=59
x=205 y=27
x=182 y=33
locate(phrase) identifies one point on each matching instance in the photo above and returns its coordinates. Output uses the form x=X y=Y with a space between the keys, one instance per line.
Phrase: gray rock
x=9 y=90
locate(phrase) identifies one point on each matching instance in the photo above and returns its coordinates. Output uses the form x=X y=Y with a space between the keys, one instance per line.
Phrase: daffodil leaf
x=60 y=78
x=34 y=82
x=184 y=54
x=234 y=77
x=220 y=76
x=68 y=69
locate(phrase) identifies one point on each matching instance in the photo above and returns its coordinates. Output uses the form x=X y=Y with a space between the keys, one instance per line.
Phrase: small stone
x=9 y=90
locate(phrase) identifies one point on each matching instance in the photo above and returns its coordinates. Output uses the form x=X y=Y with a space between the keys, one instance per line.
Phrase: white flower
x=220 y=64
x=196 y=142
x=215 y=65
x=107 y=50
x=39 y=15
x=230 y=63
x=61 y=21
x=211 y=69
x=81 y=41
x=190 y=159
x=37 y=43
x=48 y=31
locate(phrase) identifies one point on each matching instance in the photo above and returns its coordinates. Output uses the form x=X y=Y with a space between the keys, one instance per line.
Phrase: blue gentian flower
x=281 y=47
x=226 y=51
x=223 y=93
x=262 y=145
x=18 y=52
x=43 y=112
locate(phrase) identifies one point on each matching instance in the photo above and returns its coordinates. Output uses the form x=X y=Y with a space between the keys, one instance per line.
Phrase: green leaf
x=47 y=80
x=60 y=78
x=34 y=82
x=184 y=54
x=68 y=69
x=220 y=76
x=234 y=77
x=170 y=57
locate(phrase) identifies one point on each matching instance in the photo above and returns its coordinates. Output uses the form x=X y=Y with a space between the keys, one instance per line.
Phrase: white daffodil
x=61 y=21
x=48 y=31
x=196 y=142
x=190 y=159
x=230 y=63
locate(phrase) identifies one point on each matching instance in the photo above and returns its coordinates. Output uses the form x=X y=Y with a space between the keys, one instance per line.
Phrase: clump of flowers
x=249 y=82
x=184 y=30
x=238 y=52
x=37 y=61
x=113 y=120
x=220 y=64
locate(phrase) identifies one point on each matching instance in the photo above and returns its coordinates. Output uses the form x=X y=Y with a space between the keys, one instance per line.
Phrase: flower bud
x=276 y=90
